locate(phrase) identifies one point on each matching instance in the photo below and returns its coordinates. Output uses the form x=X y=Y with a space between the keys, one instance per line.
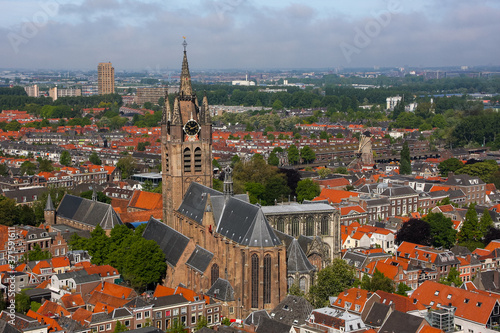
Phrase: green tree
x=23 y=301
x=307 y=154
x=276 y=188
x=378 y=282
x=65 y=158
x=453 y=277
x=330 y=281
x=225 y=321
x=442 y=232
x=293 y=154
x=119 y=327
x=307 y=189
x=36 y=254
x=324 y=172
x=101 y=197
x=277 y=105
x=405 y=162
x=202 y=322
x=449 y=165
x=295 y=290
x=45 y=165
x=127 y=166
x=177 y=327
x=94 y=158
x=486 y=222
x=483 y=170
x=9 y=212
x=402 y=289
x=28 y=168
x=148 y=186
x=98 y=246
x=470 y=234
x=34 y=306
x=216 y=164
x=255 y=192
x=4 y=169
x=273 y=159
x=414 y=231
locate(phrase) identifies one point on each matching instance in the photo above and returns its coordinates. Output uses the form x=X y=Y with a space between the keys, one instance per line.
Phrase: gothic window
x=302 y=284
x=310 y=226
x=290 y=282
x=267 y=279
x=166 y=161
x=280 y=226
x=255 y=281
x=325 y=225
x=197 y=160
x=187 y=160
x=214 y=273
x=295 y=226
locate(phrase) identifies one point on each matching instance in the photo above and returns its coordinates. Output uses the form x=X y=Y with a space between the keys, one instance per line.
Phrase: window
x=436 y=293
x=302 y=284
x=146 y=314
x=158 y=315
x=280 y=226
x=193 y=319
x=101 y=328
x=216 y=317
x=193 y=308
x=175 y=312
x=138 y=315
x=209 y=319
x=295 y=227
x=127 y=323
x=197 y=159
x=255 y=281
x=231 y=309
x=108 y=327
x=138 y=326
x=214 y=273
x=183 y=319
x=167 y=313
x=184 y=310
x=267 y=279
x=187 y=160
x=310 y=226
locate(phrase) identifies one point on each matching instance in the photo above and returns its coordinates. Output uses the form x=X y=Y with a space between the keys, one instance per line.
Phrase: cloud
x=244 y=34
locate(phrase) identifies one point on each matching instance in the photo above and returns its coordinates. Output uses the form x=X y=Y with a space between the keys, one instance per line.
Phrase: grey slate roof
x=148 y=329
x=255 y=317
x=171 y=242
x=168 y=300
x=89 y=212
x=7 y=328
x=246 y=224
x=398 y=191
x=463 y=180
x=121 y=312
x=268 y=325
x=297 y=261
x=377 y=314
x=402 y=323
x=199 y=259
x=50 y=205
x=136 y=303
x=297 y=208
x=285 y=238
x=292 y=310
x=195 y=199
x=221 y=290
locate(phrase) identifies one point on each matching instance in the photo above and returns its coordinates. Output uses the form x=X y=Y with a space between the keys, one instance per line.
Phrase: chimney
x=450 y=174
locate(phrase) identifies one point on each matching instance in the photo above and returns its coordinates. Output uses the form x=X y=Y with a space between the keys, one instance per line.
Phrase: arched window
x=280 y=226
x=309 y=226
x=166 y=161
x=187 y=160
x=197 y=160
x=302 y=284
x=267 y=279
x=255 y=281
x=290 y=282
x=325 y=225
x=295 y=227
x=214 y=273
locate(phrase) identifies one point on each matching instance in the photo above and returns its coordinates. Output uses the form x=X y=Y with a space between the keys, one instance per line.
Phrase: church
x=217 y=243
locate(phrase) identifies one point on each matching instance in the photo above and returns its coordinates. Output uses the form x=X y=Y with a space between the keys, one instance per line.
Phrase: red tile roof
x=72 y=300
x=51 y=309
x=353 y=296
x=103 y=270
x=161 y=291
x=334 y=196
x=82 y=316
x=114 y=290
x=146 y=200
x=401 y=303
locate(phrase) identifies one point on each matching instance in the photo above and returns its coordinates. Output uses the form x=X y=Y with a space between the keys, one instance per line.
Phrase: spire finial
x=184 y=43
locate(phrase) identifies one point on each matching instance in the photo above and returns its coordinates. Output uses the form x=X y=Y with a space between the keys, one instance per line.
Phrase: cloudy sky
x=248 y=34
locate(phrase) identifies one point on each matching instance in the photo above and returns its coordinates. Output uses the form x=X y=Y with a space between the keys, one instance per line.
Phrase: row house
x=352 y=214
x=473 y=187
x=469 y=267
x=436 y=263
x=399 y=271
x=359 y=259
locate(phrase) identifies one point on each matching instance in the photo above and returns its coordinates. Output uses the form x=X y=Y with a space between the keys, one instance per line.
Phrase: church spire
x=185 y=89
x=228 y=182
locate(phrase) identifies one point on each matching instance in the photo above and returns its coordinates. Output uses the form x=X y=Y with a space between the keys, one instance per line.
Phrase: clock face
x=191 y=127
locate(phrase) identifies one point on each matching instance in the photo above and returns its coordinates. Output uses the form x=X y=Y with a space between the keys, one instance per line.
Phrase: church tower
x=186 y=144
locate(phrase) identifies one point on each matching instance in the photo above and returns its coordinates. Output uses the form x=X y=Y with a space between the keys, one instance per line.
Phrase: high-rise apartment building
x=106 y=78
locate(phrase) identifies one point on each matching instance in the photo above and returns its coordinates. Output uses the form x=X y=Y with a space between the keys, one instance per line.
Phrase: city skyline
x=248 y=34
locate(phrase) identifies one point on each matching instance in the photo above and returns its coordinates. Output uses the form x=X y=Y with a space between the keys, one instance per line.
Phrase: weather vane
x=184 y=43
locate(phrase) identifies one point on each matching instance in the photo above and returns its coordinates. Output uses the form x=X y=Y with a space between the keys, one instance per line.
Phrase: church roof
x=221 y=290
x=246 y=224
x=297 y=208
x=171 y=242
x=199 y=259
x=88 y=212
x=297 y=261
x=195 y=199
x=50 y=205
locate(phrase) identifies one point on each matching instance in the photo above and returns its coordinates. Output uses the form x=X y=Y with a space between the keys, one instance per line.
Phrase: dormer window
x=436 y=293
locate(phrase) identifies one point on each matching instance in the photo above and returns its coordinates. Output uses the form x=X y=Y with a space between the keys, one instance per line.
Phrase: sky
x=248 y=34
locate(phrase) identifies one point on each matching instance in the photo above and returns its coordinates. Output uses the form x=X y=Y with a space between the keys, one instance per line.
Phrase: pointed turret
x=176 y=117
x=206 y=110
x=228 y=182
x=185 y=89
x=49 y=207
x=167 y=113
x=94 y=194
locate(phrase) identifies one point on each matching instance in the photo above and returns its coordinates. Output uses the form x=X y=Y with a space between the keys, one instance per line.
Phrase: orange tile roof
x=334 y=196
x=4 y=236
x=190 y=294
x=82 y=316
x=103 y=270
x=53 y=325
x=470 y=305
x=140 y=216
x=346 y=210
x=5 y=268
x=113 y=301
x=100 y=307
x=43 y=285
x=430 y=329
x=51 y=309
x=490 y=187
x=353 y=296
x=481 y=252
x=72 y=300
x=114 y=290
x=42 y=264
x=161 y=291
x=446 y=208
x=494 y=244
x=401 y=303
x=436 y=188
x=146 y=200
x=58 y=262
